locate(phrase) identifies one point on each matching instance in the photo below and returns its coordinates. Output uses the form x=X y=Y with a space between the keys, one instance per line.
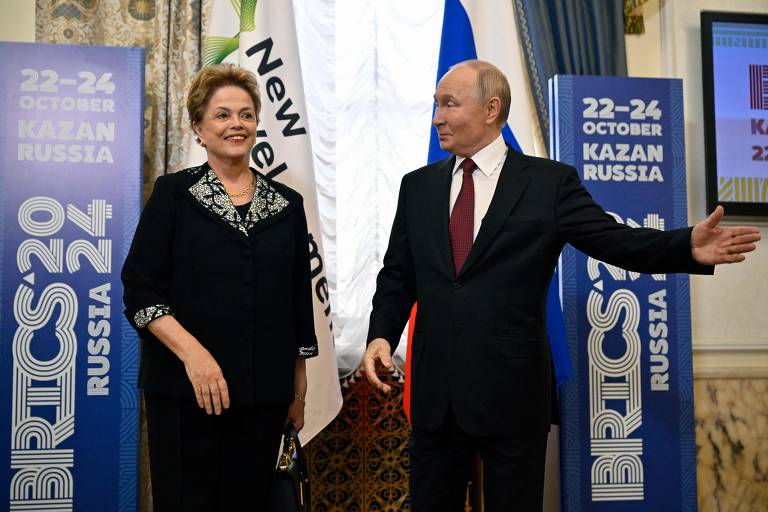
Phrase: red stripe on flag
x=407 y=386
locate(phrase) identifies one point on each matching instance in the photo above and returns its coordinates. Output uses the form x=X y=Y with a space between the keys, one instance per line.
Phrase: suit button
x=456 y=285
x=247 y=253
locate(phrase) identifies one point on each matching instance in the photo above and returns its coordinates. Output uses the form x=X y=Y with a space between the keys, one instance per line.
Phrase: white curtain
x=369 y=72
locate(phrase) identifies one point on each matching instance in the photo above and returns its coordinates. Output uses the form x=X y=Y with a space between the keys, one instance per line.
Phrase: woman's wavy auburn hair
x=212 y=78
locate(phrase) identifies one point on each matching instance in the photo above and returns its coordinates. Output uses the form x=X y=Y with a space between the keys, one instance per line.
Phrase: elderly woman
x=217 y=283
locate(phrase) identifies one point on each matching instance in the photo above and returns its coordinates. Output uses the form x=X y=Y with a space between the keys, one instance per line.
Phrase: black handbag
x=289 y=490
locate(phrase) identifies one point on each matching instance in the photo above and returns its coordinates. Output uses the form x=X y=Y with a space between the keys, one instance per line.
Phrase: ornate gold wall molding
x=633 y=17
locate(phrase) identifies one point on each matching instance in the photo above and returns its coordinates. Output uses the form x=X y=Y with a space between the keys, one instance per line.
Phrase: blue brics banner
x=70 y=182
x=627 y=439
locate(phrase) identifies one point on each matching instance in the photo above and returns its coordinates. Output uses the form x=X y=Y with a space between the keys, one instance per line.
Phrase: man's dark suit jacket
x=241 y=287
x=480 y=342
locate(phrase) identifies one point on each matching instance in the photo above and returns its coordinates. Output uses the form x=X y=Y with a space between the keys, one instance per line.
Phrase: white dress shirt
x=489 y=161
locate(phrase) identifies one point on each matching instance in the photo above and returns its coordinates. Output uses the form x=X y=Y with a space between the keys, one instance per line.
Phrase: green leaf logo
x=218 y=48
x=247 y=15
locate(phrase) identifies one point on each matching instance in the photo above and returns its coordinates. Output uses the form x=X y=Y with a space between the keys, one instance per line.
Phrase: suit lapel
x=208 y=195
x=441 y=210
x=511 y=185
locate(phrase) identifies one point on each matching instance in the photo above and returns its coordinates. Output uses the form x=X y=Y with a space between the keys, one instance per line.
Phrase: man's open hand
x=712 y=244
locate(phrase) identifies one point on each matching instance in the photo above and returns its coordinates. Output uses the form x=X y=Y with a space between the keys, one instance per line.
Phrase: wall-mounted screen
x=735 y=80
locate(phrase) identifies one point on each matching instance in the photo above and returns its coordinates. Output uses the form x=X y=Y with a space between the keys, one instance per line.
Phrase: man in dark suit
x=474 y=241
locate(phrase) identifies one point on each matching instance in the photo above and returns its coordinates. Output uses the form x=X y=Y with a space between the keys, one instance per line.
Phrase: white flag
x=261 y=37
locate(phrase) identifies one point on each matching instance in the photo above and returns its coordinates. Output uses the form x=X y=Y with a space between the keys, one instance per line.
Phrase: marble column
x=732 y=444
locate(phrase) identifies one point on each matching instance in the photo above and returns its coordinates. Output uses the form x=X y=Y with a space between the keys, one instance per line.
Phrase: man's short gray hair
x=490 y=83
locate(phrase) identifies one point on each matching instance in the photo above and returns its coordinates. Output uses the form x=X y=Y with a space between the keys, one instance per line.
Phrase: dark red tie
x=461 y=226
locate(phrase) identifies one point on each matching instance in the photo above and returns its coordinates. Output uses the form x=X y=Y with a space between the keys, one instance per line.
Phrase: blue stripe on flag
x=558 y=343
x=457 y=44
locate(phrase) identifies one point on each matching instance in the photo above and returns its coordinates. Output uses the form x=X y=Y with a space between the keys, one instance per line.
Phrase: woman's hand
x=207 y=380
x=296 y=410
x=296 y=414
x=203 y=371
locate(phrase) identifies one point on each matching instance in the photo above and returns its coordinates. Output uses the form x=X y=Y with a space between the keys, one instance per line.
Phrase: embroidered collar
x=209 y=191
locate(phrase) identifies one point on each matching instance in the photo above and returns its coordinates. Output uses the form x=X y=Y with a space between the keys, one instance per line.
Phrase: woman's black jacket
x=241 y=287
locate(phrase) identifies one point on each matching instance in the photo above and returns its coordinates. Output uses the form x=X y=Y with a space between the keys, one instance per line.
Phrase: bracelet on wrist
x=300 y=398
